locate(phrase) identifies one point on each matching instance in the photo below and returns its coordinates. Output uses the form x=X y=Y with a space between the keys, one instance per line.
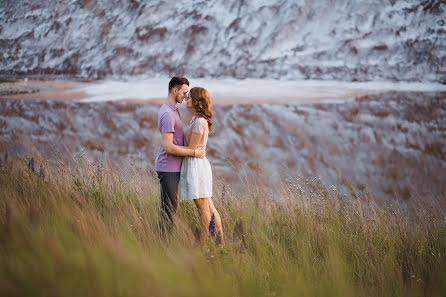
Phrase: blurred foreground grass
x=89 y=231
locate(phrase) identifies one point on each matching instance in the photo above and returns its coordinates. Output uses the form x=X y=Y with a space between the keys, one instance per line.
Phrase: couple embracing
x=181 y=158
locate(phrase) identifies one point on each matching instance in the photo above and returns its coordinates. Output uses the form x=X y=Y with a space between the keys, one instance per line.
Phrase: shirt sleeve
x=167 y=123
x=199 y=126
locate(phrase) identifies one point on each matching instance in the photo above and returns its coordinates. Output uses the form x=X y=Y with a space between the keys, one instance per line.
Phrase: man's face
x=181 y=93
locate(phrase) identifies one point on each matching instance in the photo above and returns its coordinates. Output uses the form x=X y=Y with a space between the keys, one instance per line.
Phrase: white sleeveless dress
x=196 y=173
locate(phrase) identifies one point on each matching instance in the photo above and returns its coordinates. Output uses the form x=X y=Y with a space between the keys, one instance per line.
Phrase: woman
x=196 y=173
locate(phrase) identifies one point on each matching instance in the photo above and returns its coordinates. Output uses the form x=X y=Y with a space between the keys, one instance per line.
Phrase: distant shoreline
x=223 y=91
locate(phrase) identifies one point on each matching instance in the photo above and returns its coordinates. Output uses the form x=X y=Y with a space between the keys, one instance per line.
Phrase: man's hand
x=200 y=152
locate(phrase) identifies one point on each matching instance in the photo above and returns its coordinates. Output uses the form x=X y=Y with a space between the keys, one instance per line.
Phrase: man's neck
x=171 y=99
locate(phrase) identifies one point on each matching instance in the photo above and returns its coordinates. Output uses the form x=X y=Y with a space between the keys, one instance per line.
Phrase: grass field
x=85 y=230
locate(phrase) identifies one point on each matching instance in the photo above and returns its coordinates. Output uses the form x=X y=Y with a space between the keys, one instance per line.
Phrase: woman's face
x=189 y=102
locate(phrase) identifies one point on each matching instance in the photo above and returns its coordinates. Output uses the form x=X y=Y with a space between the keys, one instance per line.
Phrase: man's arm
x=181 y=151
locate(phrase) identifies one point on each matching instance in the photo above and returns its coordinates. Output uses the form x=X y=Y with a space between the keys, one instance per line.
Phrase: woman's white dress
x=196 y=173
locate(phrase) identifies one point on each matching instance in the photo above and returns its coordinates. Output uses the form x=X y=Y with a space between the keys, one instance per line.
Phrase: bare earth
x=43 y=90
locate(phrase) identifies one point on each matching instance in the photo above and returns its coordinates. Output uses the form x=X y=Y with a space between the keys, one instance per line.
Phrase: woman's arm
x=194 y=141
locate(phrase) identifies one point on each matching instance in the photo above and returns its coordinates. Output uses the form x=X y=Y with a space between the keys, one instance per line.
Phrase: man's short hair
x=177 y=82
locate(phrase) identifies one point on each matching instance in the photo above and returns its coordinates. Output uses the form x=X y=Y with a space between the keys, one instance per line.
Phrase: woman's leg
x=205 y=215
x=206 y=209
x=218 y=224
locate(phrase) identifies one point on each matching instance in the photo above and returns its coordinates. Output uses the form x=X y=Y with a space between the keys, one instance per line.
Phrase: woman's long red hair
x=201 y=102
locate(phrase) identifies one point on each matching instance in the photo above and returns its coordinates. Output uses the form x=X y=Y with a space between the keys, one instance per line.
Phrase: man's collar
x=173 y=107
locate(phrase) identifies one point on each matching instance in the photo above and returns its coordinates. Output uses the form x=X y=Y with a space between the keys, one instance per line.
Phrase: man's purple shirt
x=169 y=122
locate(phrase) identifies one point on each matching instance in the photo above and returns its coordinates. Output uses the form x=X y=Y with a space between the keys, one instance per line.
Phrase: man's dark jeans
x=169 y=188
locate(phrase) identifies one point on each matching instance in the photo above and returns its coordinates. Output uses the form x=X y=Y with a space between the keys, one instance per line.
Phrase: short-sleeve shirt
x=169 y=122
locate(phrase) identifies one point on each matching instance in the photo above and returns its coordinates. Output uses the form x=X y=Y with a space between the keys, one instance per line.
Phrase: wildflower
x=31 y=164
x=218 y=239
x=41 y=172
x=98 y=172
x=238 y=235
x=197 y=234
x=223 y=193
x=251 y=225
x=212 y=226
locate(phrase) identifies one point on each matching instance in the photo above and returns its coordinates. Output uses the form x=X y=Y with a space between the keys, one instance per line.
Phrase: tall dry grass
x=91 y=230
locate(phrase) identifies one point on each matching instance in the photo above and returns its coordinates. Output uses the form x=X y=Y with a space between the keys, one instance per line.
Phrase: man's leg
x=169 y=188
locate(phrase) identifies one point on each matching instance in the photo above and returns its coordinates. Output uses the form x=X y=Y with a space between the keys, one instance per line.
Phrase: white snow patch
x=253 y=90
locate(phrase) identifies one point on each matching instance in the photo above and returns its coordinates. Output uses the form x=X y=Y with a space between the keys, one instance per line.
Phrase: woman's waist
x=194 y=158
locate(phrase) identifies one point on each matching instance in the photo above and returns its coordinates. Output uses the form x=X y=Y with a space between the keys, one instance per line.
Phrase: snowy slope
x=342 y=40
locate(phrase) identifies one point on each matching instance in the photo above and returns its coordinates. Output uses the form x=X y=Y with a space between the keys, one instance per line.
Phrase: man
x=172 y=151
